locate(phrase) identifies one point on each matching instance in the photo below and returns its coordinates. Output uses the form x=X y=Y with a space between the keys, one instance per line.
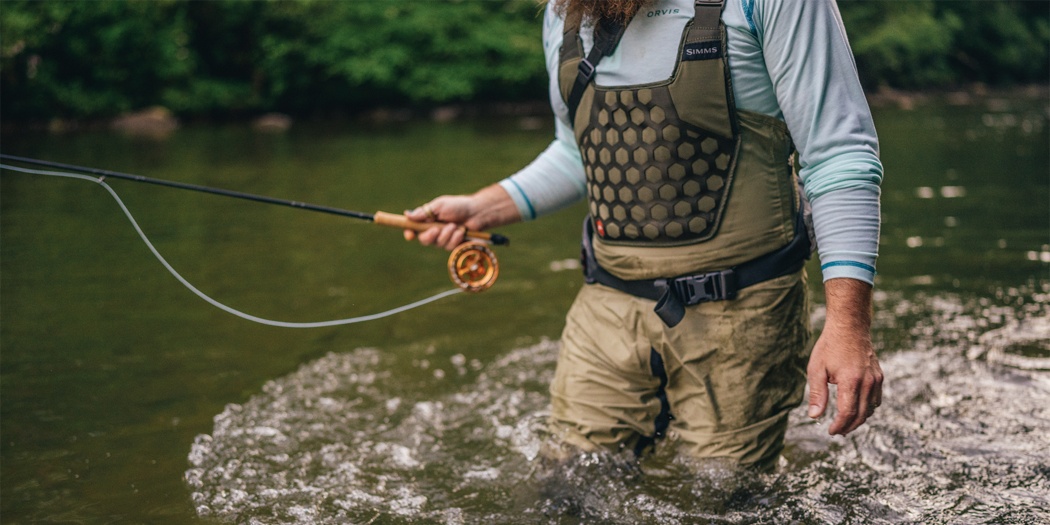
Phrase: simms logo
x=702 y=50
x=661 y=12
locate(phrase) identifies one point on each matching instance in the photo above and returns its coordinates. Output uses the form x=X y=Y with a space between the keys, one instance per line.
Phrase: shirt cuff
x=848 y=269
x=525 y=207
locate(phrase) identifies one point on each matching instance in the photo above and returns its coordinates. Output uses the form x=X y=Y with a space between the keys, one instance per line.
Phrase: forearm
x=848 y=306
x=492 y=208
x=552 y=181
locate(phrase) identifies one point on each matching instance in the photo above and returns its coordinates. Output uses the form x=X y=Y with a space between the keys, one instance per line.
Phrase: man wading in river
x=677 y=120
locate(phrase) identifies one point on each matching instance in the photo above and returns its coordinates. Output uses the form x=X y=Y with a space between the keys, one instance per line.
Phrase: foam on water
x=327 y=444
x=961 y=437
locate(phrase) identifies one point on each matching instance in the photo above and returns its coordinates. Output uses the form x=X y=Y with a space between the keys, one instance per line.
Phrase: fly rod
x=381 y=218
x=472 y=265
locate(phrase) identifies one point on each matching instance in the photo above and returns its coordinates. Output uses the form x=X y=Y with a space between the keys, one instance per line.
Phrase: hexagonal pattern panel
x=653 y=178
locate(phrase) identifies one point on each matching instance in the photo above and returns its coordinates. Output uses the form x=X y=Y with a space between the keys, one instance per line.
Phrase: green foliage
x=901 y=43
x=926 y=43
x=354 y=53
x=91 y=59
x=1002 y=41
x=229 y=57
x=81 y=59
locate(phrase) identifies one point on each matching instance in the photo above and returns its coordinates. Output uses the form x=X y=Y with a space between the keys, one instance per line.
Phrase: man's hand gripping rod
x=472 y=265
x=404 y=223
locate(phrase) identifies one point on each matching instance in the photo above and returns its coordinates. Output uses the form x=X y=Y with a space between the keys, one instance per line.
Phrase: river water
x=124 y=398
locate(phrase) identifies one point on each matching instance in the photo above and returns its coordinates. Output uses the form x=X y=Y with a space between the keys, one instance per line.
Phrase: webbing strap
x=673 y=295
x=708 y=13
x=607 y=35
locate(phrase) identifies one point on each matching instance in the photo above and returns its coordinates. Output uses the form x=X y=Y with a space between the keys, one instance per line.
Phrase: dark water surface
x=124 y=398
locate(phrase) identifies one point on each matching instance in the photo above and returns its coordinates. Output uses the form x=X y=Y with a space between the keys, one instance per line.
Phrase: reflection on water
x=961 y=438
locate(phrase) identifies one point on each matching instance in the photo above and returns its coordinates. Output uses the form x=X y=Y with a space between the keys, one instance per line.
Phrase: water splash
x=330 y=444
x=960 y=438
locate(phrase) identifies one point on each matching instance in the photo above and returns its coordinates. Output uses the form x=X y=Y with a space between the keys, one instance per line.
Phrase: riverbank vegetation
x=231 y=58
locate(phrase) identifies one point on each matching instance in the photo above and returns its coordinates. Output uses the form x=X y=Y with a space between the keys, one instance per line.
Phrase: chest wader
x=690 y=199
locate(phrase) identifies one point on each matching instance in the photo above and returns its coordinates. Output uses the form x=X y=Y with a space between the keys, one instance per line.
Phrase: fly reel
x=473 y=266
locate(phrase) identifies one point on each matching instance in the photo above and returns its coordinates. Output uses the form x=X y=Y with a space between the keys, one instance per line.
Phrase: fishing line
x=243 y=315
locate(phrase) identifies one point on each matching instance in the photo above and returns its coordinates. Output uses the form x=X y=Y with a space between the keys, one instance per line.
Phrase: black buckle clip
x=586 y=69
x=714 y=286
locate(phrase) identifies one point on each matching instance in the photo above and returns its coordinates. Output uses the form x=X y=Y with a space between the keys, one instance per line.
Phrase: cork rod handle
x=400 y=221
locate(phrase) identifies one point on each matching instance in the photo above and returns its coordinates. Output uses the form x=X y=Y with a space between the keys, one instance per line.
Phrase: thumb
x=818 y=392
x=416 y=214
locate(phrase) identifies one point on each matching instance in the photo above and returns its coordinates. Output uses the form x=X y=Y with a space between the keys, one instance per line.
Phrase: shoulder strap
x=708 y=13
x=607 y=35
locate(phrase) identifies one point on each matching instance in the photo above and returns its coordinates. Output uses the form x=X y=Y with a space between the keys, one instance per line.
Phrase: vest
x=679 y=180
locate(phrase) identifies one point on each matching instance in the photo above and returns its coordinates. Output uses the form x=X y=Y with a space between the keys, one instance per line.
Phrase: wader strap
x=674 y=294
x=607 y=35
x=708 y=13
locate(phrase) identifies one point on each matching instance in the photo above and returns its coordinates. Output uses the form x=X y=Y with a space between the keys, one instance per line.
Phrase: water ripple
x=960 y=438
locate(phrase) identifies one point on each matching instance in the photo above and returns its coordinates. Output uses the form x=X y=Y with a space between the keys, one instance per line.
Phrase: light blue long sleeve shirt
x=789 y=59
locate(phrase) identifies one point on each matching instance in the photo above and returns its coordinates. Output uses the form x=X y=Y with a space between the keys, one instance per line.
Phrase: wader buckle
x=696 y=289
x=692 y=289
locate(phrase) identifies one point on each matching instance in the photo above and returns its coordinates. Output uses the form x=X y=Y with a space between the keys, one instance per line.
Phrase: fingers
x=420 y=214
x=424 y=213
x=857 y=400
x=852 y=408
x=877 y=389
x=818 y=391
x=446 y=236
x=449 y=236
x=858 y=392
x=847 y=360
x=452 y=216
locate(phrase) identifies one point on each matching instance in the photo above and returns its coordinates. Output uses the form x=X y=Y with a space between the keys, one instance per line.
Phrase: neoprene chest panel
x=659 y=158
x=651 y=176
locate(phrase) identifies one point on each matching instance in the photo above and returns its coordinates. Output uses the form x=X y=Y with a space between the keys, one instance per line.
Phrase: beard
x=619 y=10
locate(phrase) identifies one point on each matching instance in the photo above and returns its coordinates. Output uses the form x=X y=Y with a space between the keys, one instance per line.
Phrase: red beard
x=620 y=10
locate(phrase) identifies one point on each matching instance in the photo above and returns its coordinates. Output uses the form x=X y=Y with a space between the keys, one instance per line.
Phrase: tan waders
x=734 y=369
x=694 y=320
